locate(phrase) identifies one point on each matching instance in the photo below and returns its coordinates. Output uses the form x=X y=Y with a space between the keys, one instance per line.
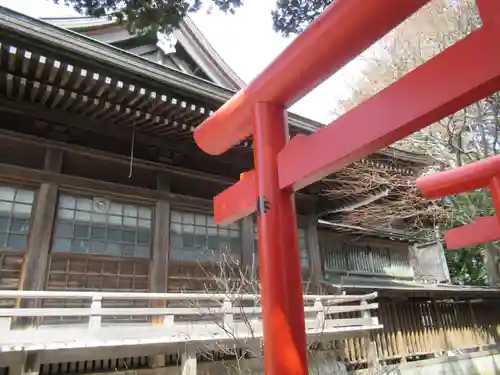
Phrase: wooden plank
x=412 y=309
x=406 y=308
x=161 y=247
x=424 y=327
x=388 y=332
x=444 y=333
x=464 y=324
x=402 y=348
x=37 y=256
x=383 y=332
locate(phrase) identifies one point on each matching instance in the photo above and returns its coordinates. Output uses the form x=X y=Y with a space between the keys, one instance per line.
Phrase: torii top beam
x=434 y=90
x=341 y=33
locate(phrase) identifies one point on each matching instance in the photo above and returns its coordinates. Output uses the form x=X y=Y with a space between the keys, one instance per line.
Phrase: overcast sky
x=246 y=41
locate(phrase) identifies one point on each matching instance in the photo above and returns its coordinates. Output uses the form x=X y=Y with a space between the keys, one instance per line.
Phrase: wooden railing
x=200 y=318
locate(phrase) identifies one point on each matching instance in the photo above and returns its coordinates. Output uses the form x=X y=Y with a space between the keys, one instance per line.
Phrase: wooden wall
x=363 y=256
x=77 y=171
x=417 y=329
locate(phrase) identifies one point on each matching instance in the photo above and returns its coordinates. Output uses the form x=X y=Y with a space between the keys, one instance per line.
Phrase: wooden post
x=95 y=318
x=30 y=366
x=37 y=256
x=188 y=360
x=247 y=244
x=491 y=262
x=316 y=272
x=161 y=245
x=369 y=344
x=158 y=281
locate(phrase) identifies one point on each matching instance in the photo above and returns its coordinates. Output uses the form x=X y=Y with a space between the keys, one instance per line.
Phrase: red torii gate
x=483 y=173
x=464 y=73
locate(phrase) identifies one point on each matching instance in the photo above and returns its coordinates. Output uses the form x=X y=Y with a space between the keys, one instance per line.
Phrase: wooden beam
x=302 y=199
x=37 y=256
x=85 y=185
x=99 y=127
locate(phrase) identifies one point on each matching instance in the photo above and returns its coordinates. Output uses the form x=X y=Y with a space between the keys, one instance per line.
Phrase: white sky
x=246 y=41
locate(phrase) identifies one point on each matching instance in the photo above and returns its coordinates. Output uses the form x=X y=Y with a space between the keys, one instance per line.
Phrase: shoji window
x=16 y=206
x=99 y=226
x=195 y=237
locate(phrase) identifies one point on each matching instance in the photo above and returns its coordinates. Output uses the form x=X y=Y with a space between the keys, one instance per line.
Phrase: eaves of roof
x=75 y=43
x=18 y=25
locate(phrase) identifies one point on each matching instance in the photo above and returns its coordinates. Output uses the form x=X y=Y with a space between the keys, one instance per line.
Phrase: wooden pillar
x=492 y=264
x=369 y=344
x=158 y=280
x=37 y=256
x=316 y=270
x=247 y=244
x=188 y=360
x=161 y=244
x=30 y=365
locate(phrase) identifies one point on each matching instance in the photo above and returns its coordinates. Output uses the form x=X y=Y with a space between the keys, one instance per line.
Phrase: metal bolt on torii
x=464 y=73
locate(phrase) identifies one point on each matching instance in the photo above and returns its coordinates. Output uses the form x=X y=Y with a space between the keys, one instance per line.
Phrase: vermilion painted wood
x=396 y=112
x=342 y=32
x=482 y=230
x=431 y=92
x=279 y=261
x=237 y=201
x=480 y=174
x=494 y=187
x=459 y=180
x=489 y=11
x=464 y=73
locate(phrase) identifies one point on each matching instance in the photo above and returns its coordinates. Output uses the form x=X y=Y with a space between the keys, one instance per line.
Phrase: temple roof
x=186 y=49
x=110 y=70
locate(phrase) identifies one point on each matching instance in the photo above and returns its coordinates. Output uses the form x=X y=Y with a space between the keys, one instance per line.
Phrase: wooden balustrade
x=346 y=324
x=199 y=318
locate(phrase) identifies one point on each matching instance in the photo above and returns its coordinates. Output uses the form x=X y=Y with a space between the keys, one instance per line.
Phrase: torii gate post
x=438 y=88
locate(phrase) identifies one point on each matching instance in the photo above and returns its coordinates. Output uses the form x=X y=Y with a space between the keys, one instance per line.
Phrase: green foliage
x=146 y=15
x=293 y=16
x=466 y=266
x=289 y=16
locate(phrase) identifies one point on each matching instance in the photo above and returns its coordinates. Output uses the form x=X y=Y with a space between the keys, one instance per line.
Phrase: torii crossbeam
x=464 y=73
x=483 y=173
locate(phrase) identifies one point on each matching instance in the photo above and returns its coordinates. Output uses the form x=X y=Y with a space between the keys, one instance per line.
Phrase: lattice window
x=363 y=259
x=15 y=211
x=74 y=272
x=98 y=226
x=303 y=248
x=195 y=237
